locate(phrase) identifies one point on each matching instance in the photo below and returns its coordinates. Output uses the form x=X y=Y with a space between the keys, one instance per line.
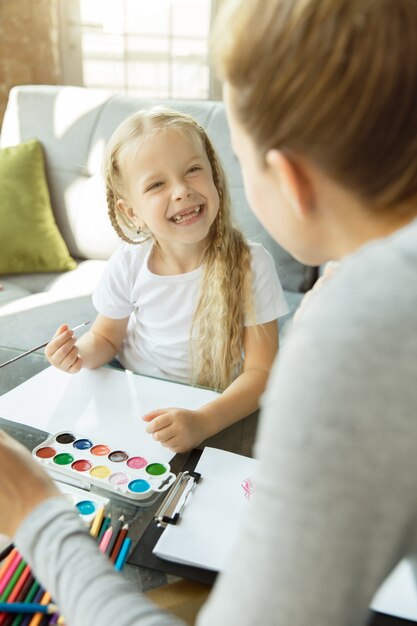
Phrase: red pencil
x=116 y=529
x=116 y=549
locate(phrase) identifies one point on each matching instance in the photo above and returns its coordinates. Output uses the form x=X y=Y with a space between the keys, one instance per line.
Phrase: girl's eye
x=195 y=168
x=154 y=186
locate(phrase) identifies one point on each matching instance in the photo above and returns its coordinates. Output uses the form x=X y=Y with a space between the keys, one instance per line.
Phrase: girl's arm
x=96 y=347
x=242 y=397
x=181 y=429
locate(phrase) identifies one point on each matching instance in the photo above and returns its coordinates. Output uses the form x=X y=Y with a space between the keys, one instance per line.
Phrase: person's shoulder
x=383 y=272
x=133 y=255
x=371 y=294
x=259 y=252
x=262 y=262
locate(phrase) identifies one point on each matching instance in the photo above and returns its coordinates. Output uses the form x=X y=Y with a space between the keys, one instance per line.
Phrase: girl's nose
x=180 y=191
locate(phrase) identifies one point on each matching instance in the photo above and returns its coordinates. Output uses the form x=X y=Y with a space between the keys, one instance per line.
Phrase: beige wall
x=29 y=47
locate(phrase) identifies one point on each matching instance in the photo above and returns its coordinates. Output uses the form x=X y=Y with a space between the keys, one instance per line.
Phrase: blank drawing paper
x=207 y=528
x=103 y=403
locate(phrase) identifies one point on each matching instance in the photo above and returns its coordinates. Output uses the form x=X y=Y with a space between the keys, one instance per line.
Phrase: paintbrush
x=20 y=356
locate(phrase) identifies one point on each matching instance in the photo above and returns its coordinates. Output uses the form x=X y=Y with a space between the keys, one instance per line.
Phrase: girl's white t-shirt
x=161 y=308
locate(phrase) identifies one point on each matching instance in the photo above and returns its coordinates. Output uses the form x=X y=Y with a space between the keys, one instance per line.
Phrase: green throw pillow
x=29 y=237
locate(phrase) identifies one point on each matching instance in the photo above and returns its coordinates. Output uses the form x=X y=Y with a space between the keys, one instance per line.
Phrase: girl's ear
x=294 y=180
x=129 y=214
x=127 y=211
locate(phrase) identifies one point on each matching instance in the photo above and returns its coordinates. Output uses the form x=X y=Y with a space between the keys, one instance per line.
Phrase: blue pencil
x=121 y=559
x=27 y=607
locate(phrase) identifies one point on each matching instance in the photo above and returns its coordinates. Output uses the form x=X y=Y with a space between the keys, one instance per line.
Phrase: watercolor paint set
x=77 y=459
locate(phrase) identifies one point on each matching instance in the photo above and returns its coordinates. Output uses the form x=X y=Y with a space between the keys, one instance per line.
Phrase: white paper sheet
x=398 y=595
x=104 y=403
x=207 y=528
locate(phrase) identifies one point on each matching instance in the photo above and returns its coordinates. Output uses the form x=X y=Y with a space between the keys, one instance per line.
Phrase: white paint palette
x=81 y=461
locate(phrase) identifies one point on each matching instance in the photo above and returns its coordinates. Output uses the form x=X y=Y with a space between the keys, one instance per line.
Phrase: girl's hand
x=24 y=484
x=176 y=429
x=62 y=351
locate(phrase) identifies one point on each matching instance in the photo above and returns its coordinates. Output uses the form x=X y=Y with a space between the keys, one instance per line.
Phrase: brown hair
x=216 y=335
x=333 y=80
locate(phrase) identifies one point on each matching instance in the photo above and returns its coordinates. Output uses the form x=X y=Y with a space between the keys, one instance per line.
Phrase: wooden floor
x=183 y=598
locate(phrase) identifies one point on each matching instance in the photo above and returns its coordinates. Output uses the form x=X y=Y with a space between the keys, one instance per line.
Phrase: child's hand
x=24 y=484
x=62 y=351
x=176 y=429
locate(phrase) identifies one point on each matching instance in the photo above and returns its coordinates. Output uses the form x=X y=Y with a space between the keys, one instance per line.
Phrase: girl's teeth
x=182 y=218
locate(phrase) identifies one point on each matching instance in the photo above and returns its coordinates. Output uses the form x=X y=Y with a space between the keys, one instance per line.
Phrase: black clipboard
x=142 y=554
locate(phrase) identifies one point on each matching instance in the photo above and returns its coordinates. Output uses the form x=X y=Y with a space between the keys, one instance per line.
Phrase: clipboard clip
x=170 y=510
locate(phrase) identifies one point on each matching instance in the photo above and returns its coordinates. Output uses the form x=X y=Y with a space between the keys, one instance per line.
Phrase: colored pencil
x=46 y=599
x=25 y=588
x=26 y=607
x=11 y=619
x=36 y=597
x=114 y=535
x=12 y=582
x=54 y=619
x=43 y=345
x=5 y=553
x=19 y=584
x=106 y=538
x=6 y=563
x=9 y=592
x=95 y=526
x=9 y=570
x=104 y=527
x=23 y=602
x=119 y=541
x=121 y=559
x=28 y=597
x=14 y=595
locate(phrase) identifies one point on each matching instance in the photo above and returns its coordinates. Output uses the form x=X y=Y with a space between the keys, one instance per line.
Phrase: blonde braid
x=111 y=209
x=113 y=190
x=226 y=295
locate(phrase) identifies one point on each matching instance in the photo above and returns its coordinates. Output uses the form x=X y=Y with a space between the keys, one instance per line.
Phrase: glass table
x=138 y=518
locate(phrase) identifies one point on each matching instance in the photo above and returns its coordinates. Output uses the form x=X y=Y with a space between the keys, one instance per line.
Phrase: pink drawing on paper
x=248 y=488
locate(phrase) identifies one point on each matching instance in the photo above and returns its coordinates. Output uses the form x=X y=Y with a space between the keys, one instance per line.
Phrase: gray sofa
x=73 y=124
